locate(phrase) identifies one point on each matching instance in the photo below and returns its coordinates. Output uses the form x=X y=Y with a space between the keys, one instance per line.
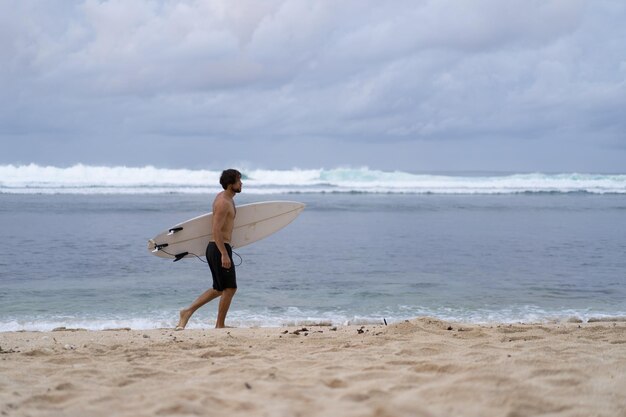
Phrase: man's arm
x=220 y=215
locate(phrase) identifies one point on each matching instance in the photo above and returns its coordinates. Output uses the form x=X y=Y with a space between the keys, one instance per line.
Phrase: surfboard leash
x=179 y=257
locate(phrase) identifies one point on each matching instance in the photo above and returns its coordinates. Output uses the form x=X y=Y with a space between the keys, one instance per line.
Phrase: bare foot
x=225 y=327
x=185 y=315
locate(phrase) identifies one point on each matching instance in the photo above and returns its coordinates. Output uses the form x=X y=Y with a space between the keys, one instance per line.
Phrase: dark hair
x=229 y=176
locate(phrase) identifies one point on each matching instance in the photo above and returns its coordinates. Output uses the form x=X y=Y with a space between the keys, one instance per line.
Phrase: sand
x=424 y=367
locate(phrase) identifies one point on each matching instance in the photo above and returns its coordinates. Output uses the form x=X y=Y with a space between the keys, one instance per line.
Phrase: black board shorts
x=222 y=278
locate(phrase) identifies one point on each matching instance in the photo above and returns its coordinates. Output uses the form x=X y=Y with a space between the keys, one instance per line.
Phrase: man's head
x=231 y=177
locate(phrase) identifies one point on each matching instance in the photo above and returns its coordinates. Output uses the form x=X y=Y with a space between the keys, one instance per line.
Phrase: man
x=219 y=253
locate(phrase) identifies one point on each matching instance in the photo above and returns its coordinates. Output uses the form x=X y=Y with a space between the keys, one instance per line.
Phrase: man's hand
x=226 y=262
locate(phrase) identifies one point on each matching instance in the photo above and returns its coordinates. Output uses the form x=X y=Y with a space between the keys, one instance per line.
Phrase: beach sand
x=422 y=367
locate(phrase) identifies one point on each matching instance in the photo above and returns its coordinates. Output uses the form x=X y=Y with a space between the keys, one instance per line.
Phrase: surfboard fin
x=174 y=230
x=159 y=247
x=180 y=256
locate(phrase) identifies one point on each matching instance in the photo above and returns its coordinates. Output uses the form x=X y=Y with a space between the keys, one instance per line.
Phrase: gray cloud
x=524 y=85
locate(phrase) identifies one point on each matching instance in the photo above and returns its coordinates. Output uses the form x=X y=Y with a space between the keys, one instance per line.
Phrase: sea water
x=370 y=246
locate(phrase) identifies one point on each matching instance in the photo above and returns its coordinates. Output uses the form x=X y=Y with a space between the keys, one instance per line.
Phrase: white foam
x=294 y=316
x=83 y=179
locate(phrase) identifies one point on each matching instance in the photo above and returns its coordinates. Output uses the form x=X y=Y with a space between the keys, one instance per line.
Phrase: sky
x=419 y=86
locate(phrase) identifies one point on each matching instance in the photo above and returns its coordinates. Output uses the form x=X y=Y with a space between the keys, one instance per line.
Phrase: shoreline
x=423 y=366
x=330 y=323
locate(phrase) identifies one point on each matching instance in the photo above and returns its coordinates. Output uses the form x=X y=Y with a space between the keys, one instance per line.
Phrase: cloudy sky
x=440 y=85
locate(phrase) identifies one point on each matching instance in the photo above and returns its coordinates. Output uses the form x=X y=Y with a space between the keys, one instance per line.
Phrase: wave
x=293 y=316
x=85 y=179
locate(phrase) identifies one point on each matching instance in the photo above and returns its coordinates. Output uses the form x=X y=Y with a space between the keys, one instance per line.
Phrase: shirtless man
x=219 y=253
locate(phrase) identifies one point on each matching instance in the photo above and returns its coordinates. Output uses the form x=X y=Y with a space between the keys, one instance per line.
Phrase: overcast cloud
x=516 y=85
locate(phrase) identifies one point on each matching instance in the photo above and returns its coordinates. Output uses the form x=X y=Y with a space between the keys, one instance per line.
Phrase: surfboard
x=253 y=222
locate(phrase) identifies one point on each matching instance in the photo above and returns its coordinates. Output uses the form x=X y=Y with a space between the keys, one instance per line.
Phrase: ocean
x=370 y=246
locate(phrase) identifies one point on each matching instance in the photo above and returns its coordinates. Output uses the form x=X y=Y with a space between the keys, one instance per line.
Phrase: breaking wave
x=85 y=179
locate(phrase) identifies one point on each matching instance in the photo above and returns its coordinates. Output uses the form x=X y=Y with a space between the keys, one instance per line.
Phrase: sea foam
x=85 y=179
x=298 y=317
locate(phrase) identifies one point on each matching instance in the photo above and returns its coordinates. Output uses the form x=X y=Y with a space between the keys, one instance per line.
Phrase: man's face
x=236 y=187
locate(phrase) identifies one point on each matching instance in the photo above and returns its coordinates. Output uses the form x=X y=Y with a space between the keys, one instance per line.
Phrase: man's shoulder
x=222 y=203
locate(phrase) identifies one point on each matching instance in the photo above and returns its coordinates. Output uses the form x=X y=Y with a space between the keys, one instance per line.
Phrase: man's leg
x=227 y=296
x=186 y=313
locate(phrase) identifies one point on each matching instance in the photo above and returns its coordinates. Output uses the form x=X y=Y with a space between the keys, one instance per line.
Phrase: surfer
x=219 y=253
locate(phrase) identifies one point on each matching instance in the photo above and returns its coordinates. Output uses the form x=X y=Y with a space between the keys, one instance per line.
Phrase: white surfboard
x=253 y=222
